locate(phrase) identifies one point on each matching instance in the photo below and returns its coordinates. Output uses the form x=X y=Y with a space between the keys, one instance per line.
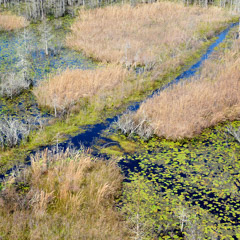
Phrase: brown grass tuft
x=143 y=34
x=67 y=88
x=9 y=22
x=63 y=196
x=186 y=109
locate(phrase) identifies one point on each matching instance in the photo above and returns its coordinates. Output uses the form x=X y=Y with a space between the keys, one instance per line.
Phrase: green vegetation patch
x=198 y=176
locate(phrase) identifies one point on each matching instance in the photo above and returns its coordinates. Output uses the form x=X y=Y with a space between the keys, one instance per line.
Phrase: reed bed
x=145 y=34
x=64 y=90
x=184 y=110
x=63 y=196
x=9 y=22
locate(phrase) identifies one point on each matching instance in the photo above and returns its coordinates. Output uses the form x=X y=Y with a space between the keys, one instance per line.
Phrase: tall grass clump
x=64 y=90
x=62 y=196
x=186 y=109
x=9 y=22
x=145 y=34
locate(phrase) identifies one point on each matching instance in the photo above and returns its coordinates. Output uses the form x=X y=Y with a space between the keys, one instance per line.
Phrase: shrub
x=13 y=84
x=234 y=132
x=129 y=125
x=12 y=132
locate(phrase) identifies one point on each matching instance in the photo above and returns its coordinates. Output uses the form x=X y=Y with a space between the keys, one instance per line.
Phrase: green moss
x=124 y=146
x=112 y=151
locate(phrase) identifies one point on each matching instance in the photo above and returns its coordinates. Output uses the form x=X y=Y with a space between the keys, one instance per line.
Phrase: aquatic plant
x=183 y=189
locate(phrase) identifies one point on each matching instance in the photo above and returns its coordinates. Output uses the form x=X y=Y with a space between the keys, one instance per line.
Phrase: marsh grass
x=145 y=34
x=9 y=22
x=67 y=88
x=62 y=196
x=149 y=35
x=186 y=109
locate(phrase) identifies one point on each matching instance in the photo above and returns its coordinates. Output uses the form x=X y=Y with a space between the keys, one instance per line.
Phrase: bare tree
x=234 y=132
x=46 y=35
x=23 y=51
x=183 y=215
x=13 y=84
x=12 y=132
x=129 y=124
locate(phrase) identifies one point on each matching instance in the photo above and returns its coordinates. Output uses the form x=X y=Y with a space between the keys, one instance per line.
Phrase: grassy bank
x=204 y=101
x=9 y=22
x=63 y=196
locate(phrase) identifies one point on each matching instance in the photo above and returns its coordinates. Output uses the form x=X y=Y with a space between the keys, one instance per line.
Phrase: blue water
x=41 y=65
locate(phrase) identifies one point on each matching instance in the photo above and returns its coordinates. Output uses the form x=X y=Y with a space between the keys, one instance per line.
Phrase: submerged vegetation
x=184 y=189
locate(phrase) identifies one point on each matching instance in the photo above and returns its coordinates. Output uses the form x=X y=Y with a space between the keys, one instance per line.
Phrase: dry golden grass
x=63 y=196
x=161 y=34
x=67 y=88
x=148 y=33
x=186 y=109
x=10 y=22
